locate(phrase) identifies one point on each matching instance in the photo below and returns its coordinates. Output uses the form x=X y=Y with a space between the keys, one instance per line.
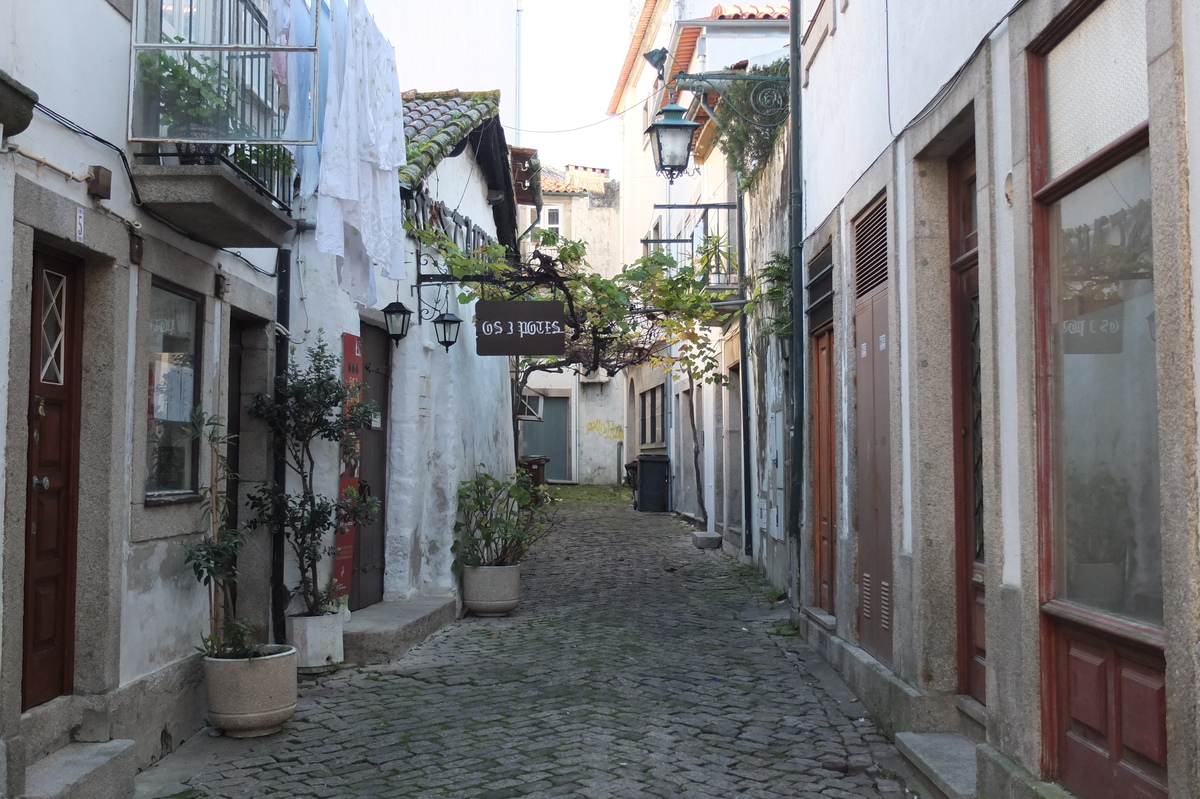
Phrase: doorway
x=874 y=436
x=52 y=490
x=551 y=437
x=366 y=585
x=967 y=379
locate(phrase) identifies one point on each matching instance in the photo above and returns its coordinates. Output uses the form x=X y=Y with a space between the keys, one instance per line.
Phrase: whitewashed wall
x=872 y=77
x=449 y=410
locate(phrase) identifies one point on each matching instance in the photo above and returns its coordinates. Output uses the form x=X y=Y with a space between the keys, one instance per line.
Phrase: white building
x=136 y=285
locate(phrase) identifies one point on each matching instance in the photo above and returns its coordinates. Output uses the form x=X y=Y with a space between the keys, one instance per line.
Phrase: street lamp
x=398 y=316
x=447 y=325
x=671 y=141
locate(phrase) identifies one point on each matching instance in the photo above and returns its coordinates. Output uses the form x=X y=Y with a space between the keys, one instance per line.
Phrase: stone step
x=702 y=540
x=385 y=631
x=84 y=771
x=946 y=760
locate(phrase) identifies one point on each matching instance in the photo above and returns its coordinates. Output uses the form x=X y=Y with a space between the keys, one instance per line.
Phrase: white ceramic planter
x=318 y=642
x=251 y=697
x=491 y=590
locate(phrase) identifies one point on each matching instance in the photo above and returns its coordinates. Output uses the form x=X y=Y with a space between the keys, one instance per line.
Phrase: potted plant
x=311 y=404
x=251 y=687
x=498 y=521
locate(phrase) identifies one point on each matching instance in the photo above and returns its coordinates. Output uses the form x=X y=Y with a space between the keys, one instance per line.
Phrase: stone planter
x=318 y=642
x=251 y=697
x=491 y=590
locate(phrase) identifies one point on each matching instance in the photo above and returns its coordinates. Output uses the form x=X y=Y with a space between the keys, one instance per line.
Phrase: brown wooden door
x=824 y=476
x=874 y=475
x=367 y=586
x=968 y=482
x=52 y=485
x=1112 y=710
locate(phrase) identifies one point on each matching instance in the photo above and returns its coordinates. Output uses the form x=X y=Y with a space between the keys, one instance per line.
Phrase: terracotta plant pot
x=491 y=590
x=318 y=641
x=251 y=697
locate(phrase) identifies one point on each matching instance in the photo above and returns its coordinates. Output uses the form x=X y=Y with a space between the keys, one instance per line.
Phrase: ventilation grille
x=885 y=605
x=870 y=248
x=864 y=607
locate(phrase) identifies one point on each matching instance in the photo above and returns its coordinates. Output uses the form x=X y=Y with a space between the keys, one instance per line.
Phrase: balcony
x=216 y=94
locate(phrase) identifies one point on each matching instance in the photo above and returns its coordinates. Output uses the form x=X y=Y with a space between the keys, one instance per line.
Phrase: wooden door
x=1112 y=710
x=551 y=437
x=52 y=479
x=824 y=476
x=874 y=476
x=968 y=483
x=366 y=586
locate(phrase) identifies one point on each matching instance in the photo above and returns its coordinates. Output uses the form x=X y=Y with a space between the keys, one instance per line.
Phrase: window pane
x=171 y=371
x=1096 y=86
x=1107 y=421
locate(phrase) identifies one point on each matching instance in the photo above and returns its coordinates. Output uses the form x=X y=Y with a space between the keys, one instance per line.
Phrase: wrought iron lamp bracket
x=767 y=101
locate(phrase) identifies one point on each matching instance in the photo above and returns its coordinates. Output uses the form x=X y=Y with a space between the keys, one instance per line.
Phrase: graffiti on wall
x=609 y=430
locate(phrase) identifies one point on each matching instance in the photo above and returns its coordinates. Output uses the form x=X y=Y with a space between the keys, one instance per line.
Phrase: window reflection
x=1106 y=432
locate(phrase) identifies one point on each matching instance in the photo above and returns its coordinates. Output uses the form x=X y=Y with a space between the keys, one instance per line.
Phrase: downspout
x=283 y=317
x=796 y=243
x=744 y=349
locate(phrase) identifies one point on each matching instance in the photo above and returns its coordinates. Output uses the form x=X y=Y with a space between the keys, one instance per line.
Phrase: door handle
x=41 y=482
x=41 y=407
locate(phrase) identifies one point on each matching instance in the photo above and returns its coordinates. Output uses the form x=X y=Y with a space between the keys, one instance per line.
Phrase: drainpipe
x=796 y=242
x=283 y=317
x=744 y=349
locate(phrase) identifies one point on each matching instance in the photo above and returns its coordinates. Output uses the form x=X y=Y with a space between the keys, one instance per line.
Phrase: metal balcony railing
x=217 y=71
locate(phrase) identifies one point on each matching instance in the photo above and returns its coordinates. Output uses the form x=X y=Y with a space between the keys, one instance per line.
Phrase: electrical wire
x=137 y=199
x=609 y=118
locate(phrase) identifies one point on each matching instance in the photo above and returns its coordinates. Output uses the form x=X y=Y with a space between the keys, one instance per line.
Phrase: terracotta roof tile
x=725 y=11
x=437 y=122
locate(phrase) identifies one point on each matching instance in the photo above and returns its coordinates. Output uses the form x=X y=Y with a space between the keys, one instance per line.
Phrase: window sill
x=173 y=498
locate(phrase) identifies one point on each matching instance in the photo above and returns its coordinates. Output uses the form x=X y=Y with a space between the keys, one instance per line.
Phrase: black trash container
x=536 y=466
x=653 y=478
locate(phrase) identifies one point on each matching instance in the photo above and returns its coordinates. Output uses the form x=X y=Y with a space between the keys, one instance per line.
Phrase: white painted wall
x=873 y=77
x=449 y=410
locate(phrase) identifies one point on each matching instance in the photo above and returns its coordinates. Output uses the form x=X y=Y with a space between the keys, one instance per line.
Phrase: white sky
x=571 y=59
x=572 y=51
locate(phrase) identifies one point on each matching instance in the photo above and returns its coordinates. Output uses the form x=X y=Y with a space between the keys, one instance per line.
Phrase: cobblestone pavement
x=636 y=666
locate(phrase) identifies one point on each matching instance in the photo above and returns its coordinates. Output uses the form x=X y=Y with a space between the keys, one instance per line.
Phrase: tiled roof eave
x=442 y=143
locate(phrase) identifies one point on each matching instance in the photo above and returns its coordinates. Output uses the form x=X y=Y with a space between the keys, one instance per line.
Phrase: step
x=84 y=771
x=385 y=631
x=702 y=540
x=946 y=759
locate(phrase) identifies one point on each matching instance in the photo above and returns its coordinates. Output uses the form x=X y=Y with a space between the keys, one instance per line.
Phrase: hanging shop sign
x=520 y=327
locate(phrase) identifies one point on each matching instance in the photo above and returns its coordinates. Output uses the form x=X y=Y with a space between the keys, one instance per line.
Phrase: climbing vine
x=747 y=146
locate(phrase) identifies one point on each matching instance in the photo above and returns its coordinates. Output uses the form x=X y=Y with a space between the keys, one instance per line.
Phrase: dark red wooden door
x=824 y=476
x=1112 y=710
x=874 y=475
x=367 y=586
x=52 y=487
x=968 y=482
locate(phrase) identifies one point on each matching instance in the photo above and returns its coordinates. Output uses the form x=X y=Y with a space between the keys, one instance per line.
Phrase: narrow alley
x=636 y=665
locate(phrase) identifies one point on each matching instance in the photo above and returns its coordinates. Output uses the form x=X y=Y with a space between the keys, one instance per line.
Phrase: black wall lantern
x=446 y=326
x=398 y=316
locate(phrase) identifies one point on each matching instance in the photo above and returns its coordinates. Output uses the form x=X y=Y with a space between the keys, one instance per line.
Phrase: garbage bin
x=536 y=466
x=653 y=478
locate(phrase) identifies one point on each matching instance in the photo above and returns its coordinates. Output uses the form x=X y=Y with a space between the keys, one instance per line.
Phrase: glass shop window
x=172 y=374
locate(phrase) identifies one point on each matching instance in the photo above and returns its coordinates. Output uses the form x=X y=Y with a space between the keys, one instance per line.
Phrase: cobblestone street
x=636 y=665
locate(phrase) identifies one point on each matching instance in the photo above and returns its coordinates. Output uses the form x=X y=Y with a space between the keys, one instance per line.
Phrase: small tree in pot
x=498 y=521
x=311 y=404
x=251 y=687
